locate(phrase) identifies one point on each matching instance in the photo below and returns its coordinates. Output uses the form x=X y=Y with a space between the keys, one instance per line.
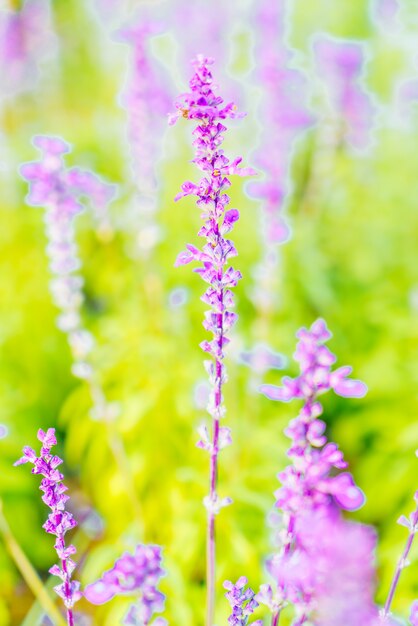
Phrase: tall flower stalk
x=208 y=109
x=312 y=486
x=59 y=521
x=63 y=192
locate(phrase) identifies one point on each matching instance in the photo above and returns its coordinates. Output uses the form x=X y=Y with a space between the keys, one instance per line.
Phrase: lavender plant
x=60 y=191
x=59 y=521
x=312 y=493
x=145 y=99
x=26 y=38
x=285 y=117
x=203 y=105
x=350 y=108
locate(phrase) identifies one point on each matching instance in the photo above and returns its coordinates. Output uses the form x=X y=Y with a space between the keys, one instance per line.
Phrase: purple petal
x=275 y=393
x=346 y=492
x=99 y=592
x=351 y=388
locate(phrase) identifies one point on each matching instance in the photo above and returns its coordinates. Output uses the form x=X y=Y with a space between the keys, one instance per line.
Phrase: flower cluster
x=341 y=64
x=311 y=484
x=59 y=520
x=208 y=109
x=60 y=190
x=137 y=573
x=310 y=480
x=242 y=601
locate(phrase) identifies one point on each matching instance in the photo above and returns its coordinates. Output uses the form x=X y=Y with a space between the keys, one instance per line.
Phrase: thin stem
x=28 y=572
x=70 y=617
x=400 y=566
x=275 y=618
x=217 y=390
x=211 y=543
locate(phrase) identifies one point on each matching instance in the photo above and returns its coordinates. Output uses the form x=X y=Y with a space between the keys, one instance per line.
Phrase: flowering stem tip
x=59 y=520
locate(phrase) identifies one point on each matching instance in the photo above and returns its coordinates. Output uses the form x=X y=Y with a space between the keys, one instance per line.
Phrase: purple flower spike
x=312 y=486
x=59 y=521
x=26 y=39
x=61 y=192
x=210 y=112
x=340 y=64
x=146 y=100
x=137 y=573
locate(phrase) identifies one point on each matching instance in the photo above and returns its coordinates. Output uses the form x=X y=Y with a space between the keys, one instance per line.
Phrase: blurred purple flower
x=284 y=115
x=340 y=65
x=61 y=191
x=242 y=601
x=262 y=358
x=137 y=573
x=330 y=576
x=26 y=39
x=413 y=618
x=178 y=297
x=146 y=99
x=209 y=27
x=59 y=520
x=384 y=13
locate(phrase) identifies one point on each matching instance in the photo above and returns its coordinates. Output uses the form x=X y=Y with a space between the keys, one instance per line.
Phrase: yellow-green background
x=352 y=260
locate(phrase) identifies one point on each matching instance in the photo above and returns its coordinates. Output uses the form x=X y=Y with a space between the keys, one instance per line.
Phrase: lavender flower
x=146 y=101
x=137 y=573
x=59 y=520
x=329 y=575
x=242 y=601
x=209 y=29
x=60 y=190
x=310 y=484
x=340 y=64
x=26 y=39
x=284 y=116
x=385 y=13
x=203 y=105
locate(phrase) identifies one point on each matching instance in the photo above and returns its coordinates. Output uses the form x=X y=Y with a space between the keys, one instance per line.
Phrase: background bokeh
x=351 y=260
